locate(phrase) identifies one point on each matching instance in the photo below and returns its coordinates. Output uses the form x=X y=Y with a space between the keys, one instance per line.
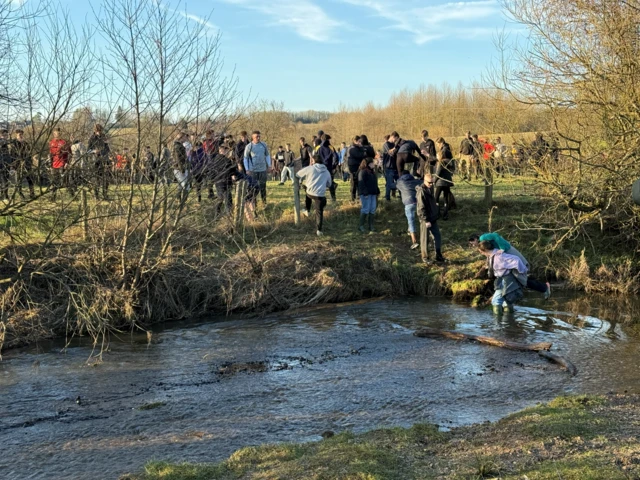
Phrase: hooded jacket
x=367 y=182
x=427 y=210
x=317 y=179
x=327 y=153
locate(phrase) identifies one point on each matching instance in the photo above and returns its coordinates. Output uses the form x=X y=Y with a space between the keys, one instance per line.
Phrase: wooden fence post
x=488 y=187
x=296 y=192
x=85 y=215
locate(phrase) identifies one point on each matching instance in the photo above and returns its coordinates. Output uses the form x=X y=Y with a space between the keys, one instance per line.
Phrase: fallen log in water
x=522 y=347
x=570 y=367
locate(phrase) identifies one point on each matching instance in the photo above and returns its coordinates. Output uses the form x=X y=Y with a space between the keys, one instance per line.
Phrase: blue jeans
x=369 y=204
x=510 y=299
x=410 y=213
x=390 y=175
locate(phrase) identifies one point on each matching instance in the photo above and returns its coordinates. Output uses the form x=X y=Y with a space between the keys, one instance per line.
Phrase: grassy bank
x=74 y=286
x=571 y=438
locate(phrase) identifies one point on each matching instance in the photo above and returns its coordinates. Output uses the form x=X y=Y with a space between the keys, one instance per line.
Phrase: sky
x=318 y=55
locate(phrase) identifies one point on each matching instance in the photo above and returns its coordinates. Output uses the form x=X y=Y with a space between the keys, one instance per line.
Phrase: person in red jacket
x=59 y=153
x=488 y=150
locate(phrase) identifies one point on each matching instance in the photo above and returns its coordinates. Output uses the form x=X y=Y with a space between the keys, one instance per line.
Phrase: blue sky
x=313 y=54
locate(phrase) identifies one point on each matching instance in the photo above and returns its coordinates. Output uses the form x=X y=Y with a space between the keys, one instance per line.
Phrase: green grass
x=571 y=438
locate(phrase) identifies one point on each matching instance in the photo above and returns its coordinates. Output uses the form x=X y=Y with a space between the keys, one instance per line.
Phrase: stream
x=199 y=390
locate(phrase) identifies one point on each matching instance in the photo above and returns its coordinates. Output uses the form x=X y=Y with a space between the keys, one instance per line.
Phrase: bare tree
x=578 y=62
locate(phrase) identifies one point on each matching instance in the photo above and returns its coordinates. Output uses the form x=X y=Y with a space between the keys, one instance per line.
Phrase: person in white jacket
x=317 y=179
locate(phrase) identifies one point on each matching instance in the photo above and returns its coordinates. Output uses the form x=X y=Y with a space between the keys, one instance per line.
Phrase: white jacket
x=317 y=178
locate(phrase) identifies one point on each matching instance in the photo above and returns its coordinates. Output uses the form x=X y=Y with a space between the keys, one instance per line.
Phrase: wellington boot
x=372 y=217
x=363 y=217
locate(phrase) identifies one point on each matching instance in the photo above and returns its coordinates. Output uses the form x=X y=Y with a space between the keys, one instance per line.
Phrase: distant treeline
x=309 y=116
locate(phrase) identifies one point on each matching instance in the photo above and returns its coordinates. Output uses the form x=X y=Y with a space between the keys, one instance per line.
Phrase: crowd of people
x=421 y=175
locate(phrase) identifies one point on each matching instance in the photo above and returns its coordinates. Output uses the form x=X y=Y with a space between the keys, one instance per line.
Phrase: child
x=510 y=275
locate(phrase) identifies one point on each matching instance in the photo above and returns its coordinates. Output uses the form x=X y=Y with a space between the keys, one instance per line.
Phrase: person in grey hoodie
x=317 y=179
x=257 y=162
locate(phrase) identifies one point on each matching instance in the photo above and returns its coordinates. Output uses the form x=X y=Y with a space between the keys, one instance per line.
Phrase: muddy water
x=220 y=385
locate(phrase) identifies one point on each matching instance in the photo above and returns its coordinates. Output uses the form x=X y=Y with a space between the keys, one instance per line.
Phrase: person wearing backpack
x=428 y=214
x=257 y=162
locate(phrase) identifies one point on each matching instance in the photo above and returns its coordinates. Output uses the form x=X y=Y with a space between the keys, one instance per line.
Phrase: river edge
x=262 y=281
x=572 y=437
x=74 y=289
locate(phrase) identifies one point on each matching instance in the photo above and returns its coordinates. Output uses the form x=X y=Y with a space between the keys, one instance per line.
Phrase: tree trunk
x=570 y=367
x=522 y=347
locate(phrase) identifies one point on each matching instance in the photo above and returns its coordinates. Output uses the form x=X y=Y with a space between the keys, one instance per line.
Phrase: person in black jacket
x=23 y=164
x=305 y=153
x=240 y=147
x=368 y=191
x=466 y=156
x=444 y=176
x=355 y=156
x=223 y=169
x=329 y=158
x=404 y=151
x=389 y=168
x=98 y=145
x=428 y=216
x=428 y=149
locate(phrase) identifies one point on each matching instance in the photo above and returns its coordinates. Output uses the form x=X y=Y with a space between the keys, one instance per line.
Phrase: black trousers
x=224 y=193
x=447 y=199
x=319 y=203
x=353 y=174
x=534 y=284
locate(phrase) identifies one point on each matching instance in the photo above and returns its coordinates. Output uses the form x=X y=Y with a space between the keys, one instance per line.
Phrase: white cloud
x=302 y=16
x=200 y=20
x=428 y=23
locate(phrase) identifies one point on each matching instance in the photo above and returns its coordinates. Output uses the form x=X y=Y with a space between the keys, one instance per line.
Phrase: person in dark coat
x=368 y=191
x=355 y=156
x=428 y=149
x=306 y=151
x=428 y=216
x=404 y=153
x=389 y=168
x=329 y=158
x=444 y=176
x=223 y=169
